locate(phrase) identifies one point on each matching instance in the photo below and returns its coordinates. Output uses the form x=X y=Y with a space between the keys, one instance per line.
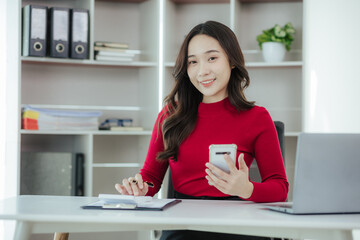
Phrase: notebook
x=129 y=202
x=327 y=175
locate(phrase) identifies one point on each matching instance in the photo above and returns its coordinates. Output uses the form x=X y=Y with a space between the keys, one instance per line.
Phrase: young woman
x=207 y=106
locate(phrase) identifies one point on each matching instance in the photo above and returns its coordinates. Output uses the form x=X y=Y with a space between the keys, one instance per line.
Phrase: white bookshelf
x=136 y=89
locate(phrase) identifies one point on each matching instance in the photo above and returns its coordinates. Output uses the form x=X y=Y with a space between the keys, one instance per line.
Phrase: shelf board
x=259 y=64
x=200 y=1
x=111 y=165
x=84 y=107
x=67 y=61
x=81 y=132
x=280 y=64
x=228 y=1
x=268 y=1
x=123 y=1
x=140 y=133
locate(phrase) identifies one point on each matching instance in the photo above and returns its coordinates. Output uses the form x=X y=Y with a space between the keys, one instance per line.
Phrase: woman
x=207 y=106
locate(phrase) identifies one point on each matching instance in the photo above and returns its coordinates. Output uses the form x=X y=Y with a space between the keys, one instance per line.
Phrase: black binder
x=34 y=31
x=79 y=175
x=59 y=24
x=79 y=46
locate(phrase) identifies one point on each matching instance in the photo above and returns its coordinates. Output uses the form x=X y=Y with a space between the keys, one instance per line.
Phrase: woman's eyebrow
x=207 y=52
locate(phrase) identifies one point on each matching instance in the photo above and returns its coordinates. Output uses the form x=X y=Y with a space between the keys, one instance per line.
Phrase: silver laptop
x=327 y=175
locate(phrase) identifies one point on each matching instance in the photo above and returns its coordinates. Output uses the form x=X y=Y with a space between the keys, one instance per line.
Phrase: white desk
x=48 y=214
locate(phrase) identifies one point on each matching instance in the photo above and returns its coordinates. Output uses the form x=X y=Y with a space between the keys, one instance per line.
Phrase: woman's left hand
x=234 y=183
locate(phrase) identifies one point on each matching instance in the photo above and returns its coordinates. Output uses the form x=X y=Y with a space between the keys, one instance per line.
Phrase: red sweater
x=253 y=132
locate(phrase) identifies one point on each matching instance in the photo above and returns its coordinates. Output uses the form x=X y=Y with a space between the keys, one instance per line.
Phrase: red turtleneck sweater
x=253 y=132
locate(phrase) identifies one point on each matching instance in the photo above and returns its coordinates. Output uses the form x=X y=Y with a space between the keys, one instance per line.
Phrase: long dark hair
x=184 y=99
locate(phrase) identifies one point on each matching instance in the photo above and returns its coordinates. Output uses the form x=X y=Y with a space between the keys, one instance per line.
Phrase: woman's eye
x=212 y=58
x=192 y=62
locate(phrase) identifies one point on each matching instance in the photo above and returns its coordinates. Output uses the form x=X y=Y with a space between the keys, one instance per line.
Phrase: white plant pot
x=273 y=51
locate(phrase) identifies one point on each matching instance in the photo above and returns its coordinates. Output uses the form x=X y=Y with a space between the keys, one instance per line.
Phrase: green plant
x=278 y=34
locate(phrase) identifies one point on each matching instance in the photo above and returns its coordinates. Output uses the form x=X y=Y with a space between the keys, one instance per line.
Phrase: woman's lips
x=207 y=83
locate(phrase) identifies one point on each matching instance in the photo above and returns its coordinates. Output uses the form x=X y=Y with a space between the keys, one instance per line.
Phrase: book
x=121 y=53
x=111 y=58
x=50 y=119
x=111 y=44
x=129 y=202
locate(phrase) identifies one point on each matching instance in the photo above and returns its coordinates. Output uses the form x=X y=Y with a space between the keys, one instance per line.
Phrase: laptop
x=327 y=175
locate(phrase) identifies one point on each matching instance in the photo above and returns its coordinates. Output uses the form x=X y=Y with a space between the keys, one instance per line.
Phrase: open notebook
x=128 y=202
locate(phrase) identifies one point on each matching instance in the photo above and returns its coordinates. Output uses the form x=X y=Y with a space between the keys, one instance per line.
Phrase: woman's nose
x=203 y=69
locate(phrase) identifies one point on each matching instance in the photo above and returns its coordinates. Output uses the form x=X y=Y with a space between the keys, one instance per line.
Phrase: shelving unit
x=136 y=89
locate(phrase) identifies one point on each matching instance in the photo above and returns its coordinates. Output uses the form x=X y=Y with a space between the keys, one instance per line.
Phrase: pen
x=150 y=184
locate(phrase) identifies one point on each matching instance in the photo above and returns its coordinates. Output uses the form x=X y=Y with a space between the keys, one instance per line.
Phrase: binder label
x=61 y=26
x=38 y=23
x=80 y=27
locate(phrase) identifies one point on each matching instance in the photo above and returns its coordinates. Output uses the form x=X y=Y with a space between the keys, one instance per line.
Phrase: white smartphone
x=217 y=152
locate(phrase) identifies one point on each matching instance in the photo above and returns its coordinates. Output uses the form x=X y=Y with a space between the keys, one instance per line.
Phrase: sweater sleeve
x=154 y=170
x=274 y=185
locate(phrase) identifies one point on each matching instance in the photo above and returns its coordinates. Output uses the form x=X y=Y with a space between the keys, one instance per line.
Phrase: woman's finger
x=127 y=186
x=230 y=163
x=121 y=189
x=139 y=180
x=241 y=162
x=217 y=171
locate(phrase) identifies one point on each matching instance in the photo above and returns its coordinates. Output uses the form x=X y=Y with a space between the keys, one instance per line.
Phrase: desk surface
x=51 y=213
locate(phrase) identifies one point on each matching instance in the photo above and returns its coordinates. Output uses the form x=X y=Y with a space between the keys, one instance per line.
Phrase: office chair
x=254 y=175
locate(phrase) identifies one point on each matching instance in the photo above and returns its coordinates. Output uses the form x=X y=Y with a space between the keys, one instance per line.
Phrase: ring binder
x=79 y=34
x=34 y=31
x=59 y=23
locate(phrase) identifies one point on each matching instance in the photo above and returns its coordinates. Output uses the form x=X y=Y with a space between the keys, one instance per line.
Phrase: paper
x=114 y=201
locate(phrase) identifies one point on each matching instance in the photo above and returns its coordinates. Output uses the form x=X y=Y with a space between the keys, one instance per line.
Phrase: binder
x=59 y=24
x=79 y=175
x=52 y=173
x=79 y=46
x=34 y=30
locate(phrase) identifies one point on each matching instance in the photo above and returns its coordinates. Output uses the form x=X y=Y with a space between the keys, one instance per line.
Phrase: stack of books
x=112 y=51
x=47 y=119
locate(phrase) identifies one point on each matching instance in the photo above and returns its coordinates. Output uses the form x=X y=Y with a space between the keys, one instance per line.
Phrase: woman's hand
x=133 y=186
x=235 y=183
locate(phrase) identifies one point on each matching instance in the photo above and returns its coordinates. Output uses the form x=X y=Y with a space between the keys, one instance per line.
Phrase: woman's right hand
x=133 y=186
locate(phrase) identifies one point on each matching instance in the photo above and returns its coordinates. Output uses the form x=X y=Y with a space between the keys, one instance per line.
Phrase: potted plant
x=274 y=41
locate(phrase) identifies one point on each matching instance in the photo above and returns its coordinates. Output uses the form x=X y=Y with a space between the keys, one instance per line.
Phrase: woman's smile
x=207 y=83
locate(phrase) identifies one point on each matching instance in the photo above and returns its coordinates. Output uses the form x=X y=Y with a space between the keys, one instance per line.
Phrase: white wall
x=331 y=52
x=9 y=102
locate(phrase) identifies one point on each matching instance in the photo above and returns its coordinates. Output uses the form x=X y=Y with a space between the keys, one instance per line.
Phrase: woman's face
x=208 y=68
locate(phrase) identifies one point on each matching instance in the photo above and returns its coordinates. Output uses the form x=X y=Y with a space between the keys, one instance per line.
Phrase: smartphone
x=217 y=152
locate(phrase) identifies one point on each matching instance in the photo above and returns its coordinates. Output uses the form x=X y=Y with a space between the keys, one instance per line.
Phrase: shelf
x=268 y=1
x=141 y=133
x=67 y=61
x=119 y=165
x=82 y=107
x=200 y=1
x=123 y=1
x=280 y=64
x=259 y=64
x=80 y=132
